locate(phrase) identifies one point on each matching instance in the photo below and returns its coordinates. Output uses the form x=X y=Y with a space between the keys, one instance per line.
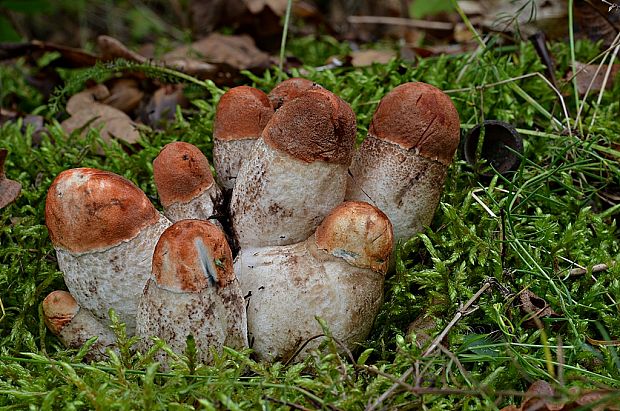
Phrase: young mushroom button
x=337 y=274
x=296 y=173
x=289 y=90
x=104 y=230
x=193 y=291
x=401 y=165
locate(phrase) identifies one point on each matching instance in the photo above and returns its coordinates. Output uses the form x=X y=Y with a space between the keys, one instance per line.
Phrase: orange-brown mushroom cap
x=192 y=255
x=89 y=210
x=241 y=114
x=358 y=232
x=290 y=89
x=59 y=308
x=181 y=173
x=318 y=125
x=421 y=117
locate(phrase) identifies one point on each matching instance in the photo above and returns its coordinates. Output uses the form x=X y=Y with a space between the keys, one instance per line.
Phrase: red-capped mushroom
x=337 y=274
x=104 y=230
x=290 y=89
x=74 y=325
x=401 y=165
x=240 y=117
x=296 y=173
x=185 y=184
x=193 y=291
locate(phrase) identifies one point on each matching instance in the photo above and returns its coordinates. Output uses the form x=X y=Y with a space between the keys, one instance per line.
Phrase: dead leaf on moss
x=590 y=73
x=162 y=106
x=256 y=6
x=9 y=189
x=239 y=52
x=86 y=98
x=535 y=307
x=368 y=57
x=112 y=49
x=112 y=122
x=124 y=95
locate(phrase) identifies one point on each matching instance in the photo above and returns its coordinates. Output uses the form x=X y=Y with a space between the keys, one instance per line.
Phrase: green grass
x=545 y=216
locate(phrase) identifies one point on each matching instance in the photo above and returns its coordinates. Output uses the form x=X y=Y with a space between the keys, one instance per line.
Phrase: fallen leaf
x=112 y=122
x=162 y=106
x=112 y=49
x=124 y=95
x=256 y=6
x=535 y=307
x=590 y=73
x=9 y=189
x=239 y=52
x=368 y=57
x=86 y=97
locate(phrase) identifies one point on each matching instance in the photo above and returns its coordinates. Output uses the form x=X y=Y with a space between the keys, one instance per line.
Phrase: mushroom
x=337 y=274
x=185 y=184
x=193 y=291
x=401 y=165
x=104 y=230
x=74 y=325
x=241 y=115
x=296 y=173
x=290 y=89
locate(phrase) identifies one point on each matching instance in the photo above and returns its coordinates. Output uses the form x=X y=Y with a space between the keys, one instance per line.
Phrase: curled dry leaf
x=535 y=308
x=124 y=95
x=112 y=49
x=256 y=6
x=368 y=57
x=162 y=106
x=86 y=98
x=9 y=189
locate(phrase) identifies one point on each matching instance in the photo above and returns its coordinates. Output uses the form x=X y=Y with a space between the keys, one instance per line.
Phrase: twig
x=464 y=310
x=597 y=268
x=399 y=21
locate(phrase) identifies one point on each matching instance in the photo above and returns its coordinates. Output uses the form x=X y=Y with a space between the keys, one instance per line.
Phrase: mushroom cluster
x=313 y=221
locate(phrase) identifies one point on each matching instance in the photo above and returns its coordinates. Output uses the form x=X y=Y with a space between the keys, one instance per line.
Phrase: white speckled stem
x=291 y=285
x=280 y=200
x=228 y=157
x=202 y=207
x=215 y=317
x=404 y=185
x=112 y=278
x=84 y=326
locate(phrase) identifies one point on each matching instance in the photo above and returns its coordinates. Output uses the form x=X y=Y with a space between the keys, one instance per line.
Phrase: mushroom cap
x=192 y=255
x=421 y=117
x=359 y=233
x=318 y=125
x=90 y=210
x=59 y=308
x=181 y=173
x=241 y=114
x=290 y=89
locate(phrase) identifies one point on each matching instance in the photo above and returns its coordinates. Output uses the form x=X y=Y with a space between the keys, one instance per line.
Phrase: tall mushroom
x=296 y=173
x=240 y=117
x=401 y=165
x=185 y=184
x=104 y=230
x=337 y=274
x=74 y=325
x=193 y=291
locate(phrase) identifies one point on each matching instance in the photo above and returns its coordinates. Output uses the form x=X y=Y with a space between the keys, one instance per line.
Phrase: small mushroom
x=337 y=274
x=401 y=165
x=185 y=184
x=104 y=230
x=296 y=173
x=74 y=325
x=193 y=291
x=241 y=115
x=290 y=89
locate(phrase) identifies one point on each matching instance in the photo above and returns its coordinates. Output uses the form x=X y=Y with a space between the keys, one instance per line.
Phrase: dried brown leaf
x=535 y=307
x=368 y=57
x=239 y=52
x=86 y=98
x=112 y=49
x=124 y=95
x=587 y=73
x=256 y=6
x=9 y=189
x=112 y=122
x=162 y=106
